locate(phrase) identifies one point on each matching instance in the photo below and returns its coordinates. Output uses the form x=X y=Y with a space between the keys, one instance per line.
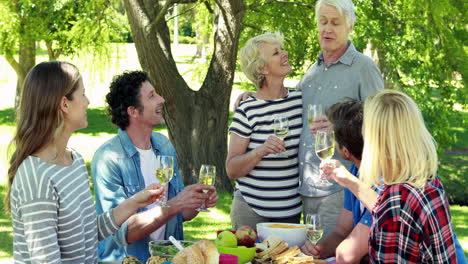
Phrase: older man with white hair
x=340 y=72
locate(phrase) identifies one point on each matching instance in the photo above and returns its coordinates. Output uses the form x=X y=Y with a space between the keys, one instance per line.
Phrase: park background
x=102 y=48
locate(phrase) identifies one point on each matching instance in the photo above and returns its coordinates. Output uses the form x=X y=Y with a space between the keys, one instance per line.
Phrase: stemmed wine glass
x=207 y=176
x=314 y=227
x=324 y=148
x=313 y=112
x=164 y=172
x=281 y=128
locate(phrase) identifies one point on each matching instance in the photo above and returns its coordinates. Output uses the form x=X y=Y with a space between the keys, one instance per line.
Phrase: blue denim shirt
x=117 y=176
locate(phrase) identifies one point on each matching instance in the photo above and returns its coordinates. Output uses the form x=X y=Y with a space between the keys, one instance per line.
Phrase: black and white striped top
x=271 y=187
x=54 y=218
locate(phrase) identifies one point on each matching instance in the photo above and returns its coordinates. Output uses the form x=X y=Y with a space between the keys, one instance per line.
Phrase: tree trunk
x=197 y=120
x=26 y=61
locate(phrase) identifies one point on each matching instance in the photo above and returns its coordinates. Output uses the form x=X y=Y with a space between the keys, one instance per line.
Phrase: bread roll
x=202 y=252
x=190 y=255
x=209 y=250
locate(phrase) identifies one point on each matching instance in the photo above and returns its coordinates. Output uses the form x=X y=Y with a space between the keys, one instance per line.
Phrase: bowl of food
x=164 y=248
x=244 y=254
x=293 y=234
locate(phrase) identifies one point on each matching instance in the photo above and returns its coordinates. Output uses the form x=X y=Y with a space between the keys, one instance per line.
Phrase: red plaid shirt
x=412 y=225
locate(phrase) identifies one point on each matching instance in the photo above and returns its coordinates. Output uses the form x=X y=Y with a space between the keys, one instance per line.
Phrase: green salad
x=164 y=248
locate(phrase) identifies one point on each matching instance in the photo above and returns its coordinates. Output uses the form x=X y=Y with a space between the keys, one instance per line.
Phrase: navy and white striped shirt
x=53 y=213
x=271 y=188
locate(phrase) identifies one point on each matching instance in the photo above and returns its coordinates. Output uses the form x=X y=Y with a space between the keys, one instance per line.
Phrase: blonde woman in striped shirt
x=54 y=219
x=266 y=183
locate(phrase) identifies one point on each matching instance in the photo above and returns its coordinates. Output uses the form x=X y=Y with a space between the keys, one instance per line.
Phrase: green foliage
x=67 y=26
x=420 y=50
x=7 y=116
x=452 y=171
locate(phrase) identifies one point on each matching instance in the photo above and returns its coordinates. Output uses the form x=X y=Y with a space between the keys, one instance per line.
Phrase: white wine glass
x=207 y=176
x=164 y=172
x=324 y=148
x=314 y=227
x=281 y=128
x=314 y=111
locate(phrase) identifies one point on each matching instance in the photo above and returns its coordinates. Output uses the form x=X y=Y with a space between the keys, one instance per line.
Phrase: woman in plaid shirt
x=412 y=222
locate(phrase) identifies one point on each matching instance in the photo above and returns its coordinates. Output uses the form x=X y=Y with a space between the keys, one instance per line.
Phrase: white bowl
x=293 y=236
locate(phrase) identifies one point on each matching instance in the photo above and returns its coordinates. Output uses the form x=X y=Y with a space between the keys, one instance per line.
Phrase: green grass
x=205 y=225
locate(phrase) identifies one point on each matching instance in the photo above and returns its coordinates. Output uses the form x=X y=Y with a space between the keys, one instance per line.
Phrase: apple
x=246 y=236
x=226 y=239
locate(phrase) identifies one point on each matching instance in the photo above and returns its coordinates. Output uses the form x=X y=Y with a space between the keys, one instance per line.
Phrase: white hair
x=344 y=7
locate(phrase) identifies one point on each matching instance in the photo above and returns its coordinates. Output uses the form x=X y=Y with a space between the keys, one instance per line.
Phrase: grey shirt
x=352 y=76
x=53 y=214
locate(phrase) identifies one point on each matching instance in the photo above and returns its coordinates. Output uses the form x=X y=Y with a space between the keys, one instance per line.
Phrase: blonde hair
x=251 y=59
x=39 y=119
x=398 y=148
x=344 y=7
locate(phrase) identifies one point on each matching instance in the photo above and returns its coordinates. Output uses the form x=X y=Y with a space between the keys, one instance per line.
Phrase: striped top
x=53 y=213
x=271 y=188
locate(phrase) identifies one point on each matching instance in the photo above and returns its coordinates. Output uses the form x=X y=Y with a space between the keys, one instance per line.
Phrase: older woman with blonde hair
x=412 y=222
x=266 y=183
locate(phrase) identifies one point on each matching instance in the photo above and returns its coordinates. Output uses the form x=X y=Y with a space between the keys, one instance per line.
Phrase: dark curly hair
x=124 y=92
x=346 y=118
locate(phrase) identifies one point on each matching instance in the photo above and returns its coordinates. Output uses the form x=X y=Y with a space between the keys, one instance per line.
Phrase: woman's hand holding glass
x=332 y=169
x=164 y=172
x=149 y=195
x=281 y=129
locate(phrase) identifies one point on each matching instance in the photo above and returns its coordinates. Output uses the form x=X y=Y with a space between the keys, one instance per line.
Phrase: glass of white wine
x=164 y=172
x=314 y=227
x=313 y=113
x=207 y=176
x=324 y=148
x=281 y=128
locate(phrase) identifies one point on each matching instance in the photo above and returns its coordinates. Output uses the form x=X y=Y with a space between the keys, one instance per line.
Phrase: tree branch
x=208 y=6
x=186 y=11
x=184 y=1
x=14 y=64
x=253 y=6
x=161 y=13
x=254 y=27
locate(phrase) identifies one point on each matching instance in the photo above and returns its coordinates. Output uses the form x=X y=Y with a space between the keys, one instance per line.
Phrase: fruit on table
x=246 y=236
x=226 y=239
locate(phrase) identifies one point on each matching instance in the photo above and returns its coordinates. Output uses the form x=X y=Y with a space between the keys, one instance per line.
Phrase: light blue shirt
x=352 y=76
x=117 y=176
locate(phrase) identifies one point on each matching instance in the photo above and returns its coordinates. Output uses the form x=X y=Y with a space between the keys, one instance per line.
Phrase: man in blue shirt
x=126 y=163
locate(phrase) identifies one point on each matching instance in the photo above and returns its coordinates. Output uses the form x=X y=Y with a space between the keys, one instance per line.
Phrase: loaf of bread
x=202 y=252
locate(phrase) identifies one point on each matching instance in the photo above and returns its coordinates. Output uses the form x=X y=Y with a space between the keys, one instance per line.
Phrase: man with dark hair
x=126 y=163
x=349 y=240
